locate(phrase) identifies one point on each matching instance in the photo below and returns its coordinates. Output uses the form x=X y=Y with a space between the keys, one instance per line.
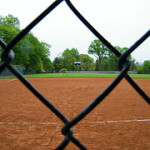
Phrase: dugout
x=77 y=63
x=7 y=73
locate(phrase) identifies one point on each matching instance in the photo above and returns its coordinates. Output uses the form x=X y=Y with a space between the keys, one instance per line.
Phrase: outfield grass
x=84 y=75
x=79 y=75
x=71 y=75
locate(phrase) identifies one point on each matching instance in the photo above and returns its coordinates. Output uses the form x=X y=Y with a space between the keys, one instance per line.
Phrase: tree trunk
x=97 y=66
x=100 y=64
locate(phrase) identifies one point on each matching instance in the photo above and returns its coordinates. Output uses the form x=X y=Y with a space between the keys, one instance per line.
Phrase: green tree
x=10 y=21
x=113 y=59
x=133 y=66
x=132 y=61
x=75 y=53
x=46 y=49
x=139 y=68
x=105 y=64
x=99 y=50
x=87 y=63
x=58 y=63
x=47 y=65
x=29 y=51
x=145 y=68
x=69 y=57
x=9 y=28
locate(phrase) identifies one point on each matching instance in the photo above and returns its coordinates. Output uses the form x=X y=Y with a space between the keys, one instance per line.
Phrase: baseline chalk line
x=120 y=121
x=12 y=80
x=88 y=122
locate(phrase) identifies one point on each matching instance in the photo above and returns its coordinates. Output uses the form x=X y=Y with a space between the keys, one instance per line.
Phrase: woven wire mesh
x=123 y=65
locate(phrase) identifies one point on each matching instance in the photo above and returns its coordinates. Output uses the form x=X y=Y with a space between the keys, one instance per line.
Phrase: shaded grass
x=79 y=75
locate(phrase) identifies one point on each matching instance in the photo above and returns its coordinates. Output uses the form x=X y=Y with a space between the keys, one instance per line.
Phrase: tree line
x=30 y=53
x=33 y=55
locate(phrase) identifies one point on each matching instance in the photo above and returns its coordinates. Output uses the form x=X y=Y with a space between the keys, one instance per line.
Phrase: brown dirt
x=25 y=123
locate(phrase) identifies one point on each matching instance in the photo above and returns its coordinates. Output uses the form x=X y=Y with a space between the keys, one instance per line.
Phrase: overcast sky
x=121 y=22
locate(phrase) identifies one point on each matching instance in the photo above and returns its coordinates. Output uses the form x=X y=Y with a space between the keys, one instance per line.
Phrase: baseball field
x=120 y=121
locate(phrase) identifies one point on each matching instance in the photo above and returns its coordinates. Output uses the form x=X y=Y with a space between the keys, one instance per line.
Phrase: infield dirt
x=120 y=121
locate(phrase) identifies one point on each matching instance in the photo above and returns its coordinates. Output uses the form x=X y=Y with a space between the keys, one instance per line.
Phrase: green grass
x=140 y=76
x=79 y=75
x=71 y=75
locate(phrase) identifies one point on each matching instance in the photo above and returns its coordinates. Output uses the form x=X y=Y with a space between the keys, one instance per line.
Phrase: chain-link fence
x=123 y=65
x=6 y=72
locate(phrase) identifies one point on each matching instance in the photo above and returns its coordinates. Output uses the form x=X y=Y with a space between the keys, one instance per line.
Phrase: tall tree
x=99 y=50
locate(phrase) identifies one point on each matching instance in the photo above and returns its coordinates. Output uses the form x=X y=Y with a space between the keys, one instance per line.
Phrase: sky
x=121 y=22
